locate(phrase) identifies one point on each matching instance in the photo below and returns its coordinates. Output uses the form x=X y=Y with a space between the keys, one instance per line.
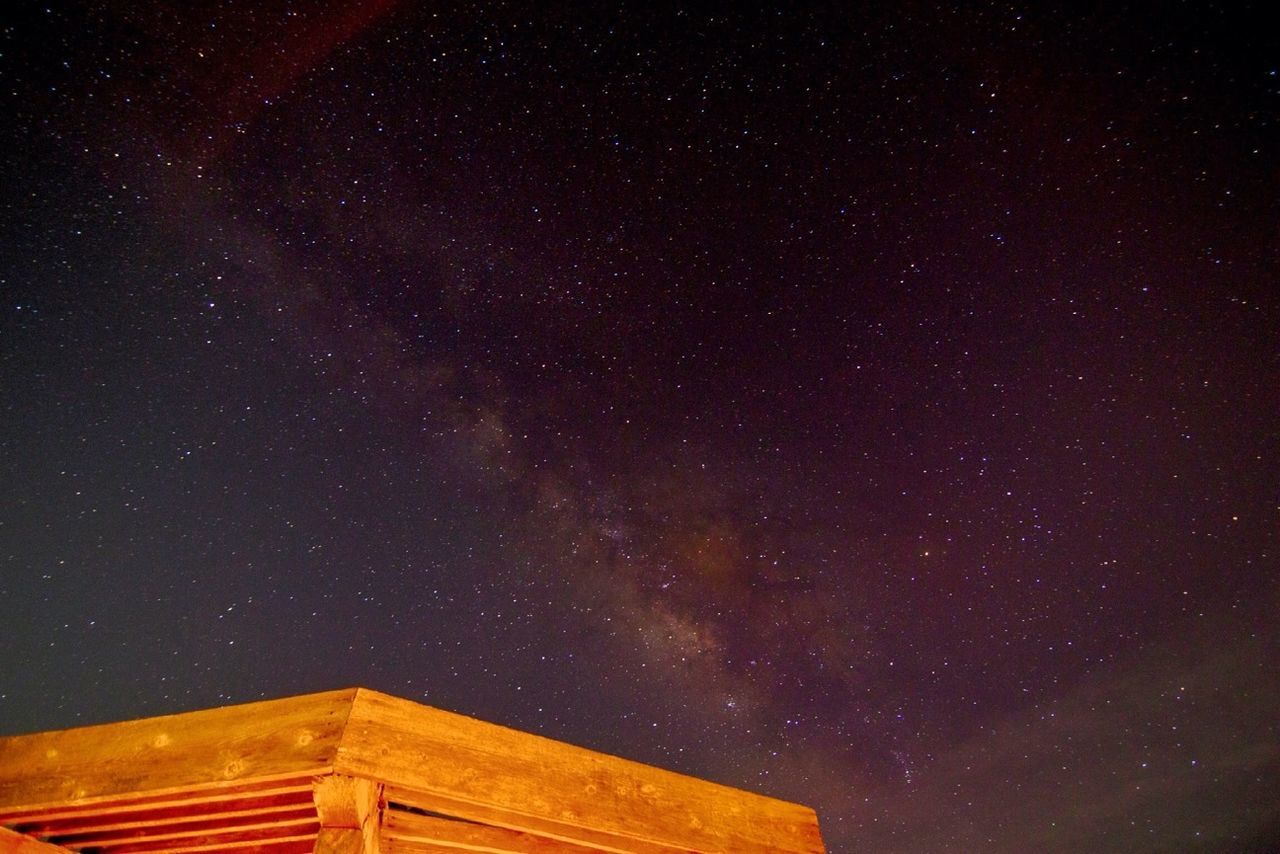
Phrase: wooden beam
x=462 y=767
x=145 y=817
x=591 y=838
x=299 y=820
x=257 y=841
x=402 y=831
x=178 y=836
x=187 y=776
x=187 y=799
x=12 y=842
x=207 y=749
x=350 y=813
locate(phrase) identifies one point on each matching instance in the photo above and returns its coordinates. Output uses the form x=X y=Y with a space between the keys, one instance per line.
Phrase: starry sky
x=871 y=406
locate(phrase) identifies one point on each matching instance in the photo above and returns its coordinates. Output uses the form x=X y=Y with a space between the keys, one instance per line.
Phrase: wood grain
x=352 y=805
x=404 y=830
x=334 y=768
x=193 y=798
x=12 y=842
x=210 y=749
x=471 y=769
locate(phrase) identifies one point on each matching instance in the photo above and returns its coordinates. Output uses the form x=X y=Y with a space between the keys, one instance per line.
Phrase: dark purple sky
x=872 y=408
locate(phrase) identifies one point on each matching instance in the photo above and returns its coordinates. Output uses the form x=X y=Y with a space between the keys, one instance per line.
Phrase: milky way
x=875 y=409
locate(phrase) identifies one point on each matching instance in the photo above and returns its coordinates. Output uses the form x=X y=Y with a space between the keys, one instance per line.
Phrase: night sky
x=876 y=408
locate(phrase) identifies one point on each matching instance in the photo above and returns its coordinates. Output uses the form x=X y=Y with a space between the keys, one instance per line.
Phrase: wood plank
x=401 y=829
x=397 y=846
x=407 y=847
x=151 y=817
x=188 y=799
x=275 y=827
x=193 y=826
x=527 y=783
x=290 y=845
x=12 y=842
x=305 y=841
x=595 y=840
x=302 y=845
x=215 y=747
x=241 y=836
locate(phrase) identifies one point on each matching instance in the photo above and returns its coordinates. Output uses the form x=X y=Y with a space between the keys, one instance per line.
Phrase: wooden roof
x=358 y=771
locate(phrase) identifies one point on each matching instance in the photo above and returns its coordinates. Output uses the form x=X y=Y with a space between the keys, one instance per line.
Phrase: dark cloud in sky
x=871 y=408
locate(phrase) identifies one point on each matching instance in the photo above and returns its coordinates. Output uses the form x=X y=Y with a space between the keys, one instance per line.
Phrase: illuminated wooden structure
x=358 y=772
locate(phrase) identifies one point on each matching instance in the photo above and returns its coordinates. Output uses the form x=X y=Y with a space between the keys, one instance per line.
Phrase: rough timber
x=361 y=772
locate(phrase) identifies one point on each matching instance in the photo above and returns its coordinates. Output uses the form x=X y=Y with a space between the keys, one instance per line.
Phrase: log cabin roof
x=359 y=771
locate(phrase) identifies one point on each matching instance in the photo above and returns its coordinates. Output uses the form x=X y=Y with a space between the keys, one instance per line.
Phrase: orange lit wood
x=184 y=801
x=467 y=768
x=12 y=842
x=350 y=815
x=404 y=832
x=149 y=818
x=358 y=772
x=212 y=748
